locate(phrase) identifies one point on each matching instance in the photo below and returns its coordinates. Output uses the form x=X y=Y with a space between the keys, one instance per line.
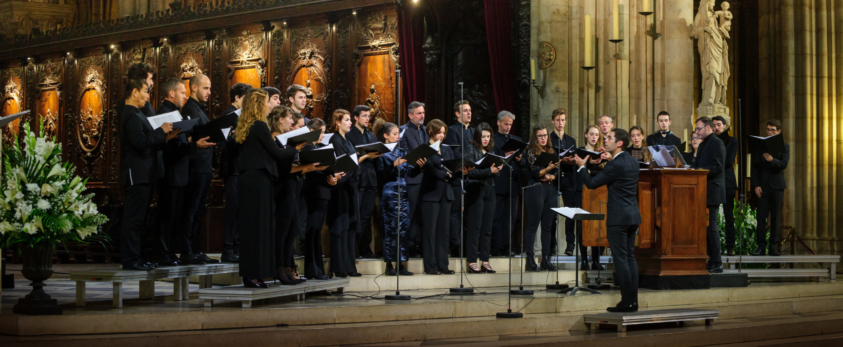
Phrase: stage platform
x=357 y=317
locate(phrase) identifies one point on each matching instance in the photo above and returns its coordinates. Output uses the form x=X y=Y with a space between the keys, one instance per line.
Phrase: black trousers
x=713 y=237
x=480 y=211
x=301 y=224
x=230 y=238
x=539 y=201
x=169 y=198
x=195 y=198
x=134 y=220
x=506 y=211
x=456 y=207
x=622 y=242
x=436 y=218
x=728 y=213
x=569 y=200
x=414 y=234
x=313 y=264
x=769 y=205
x=366 y=197
x=286 y=219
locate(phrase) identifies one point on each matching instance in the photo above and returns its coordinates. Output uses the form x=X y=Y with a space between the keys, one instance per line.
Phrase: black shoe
x=473 y=270
x=758 y=252
x=404 y=272
x=355 y=274
x=207 y=260
x=136 y=266
x=530 y=263
x=584 y=267
x=340 y=274
x=595 y=266
x=635 y=307
x=151 y=265
x=233 y=258
x=774 y=253
x=487 y=268
x=569 y=253
x=716 y=269
x=390 y=271
x=165 y=262
x=730 y=252
x=191 y=259
x=318 y=277
x=432 y=272
x=250 y=284
x=547 y=264
x=446 y=271
x=622 y=308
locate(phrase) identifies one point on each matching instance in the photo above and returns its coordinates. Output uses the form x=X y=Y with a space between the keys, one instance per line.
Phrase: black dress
x=257 y=166
x=317 y=193
x=342 y=214
x=480 y=208
x=286 y=211
x=593 y=169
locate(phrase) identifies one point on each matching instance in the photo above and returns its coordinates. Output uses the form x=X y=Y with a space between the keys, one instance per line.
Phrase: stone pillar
x=837 y=28
x=678 y=64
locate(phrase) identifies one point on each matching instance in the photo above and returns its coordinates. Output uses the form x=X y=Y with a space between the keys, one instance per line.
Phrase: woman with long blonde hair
x=258 y=155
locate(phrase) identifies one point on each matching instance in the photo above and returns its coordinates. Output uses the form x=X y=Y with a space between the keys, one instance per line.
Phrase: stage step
x=373 y=283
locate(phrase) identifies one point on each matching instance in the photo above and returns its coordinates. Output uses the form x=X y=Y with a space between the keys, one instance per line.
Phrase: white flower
x=55 y=170
x=21 y=174
x=6 y=227
x=23 y=209
x=30 y=228
x=84 y=232
x=34 y=188
x=42 y=205
x=47 y=189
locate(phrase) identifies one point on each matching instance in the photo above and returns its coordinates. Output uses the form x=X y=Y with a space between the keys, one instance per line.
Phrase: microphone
x=532 y=185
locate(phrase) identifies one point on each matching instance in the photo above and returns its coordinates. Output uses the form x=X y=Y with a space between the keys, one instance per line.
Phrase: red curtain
x=499 y=37
x=411 y=57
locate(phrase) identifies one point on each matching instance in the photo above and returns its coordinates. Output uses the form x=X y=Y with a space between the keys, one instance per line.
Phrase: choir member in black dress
x=392 y=172
x=565 y=183
x=507 y=185
x=539 y=199
x=593 y=142
x=368 y=186
x=301 y=222
x=638 y=148
x=138 y=170
x=257 y=162
x=175 y=165
x=436 y=199
x=280 y=121
x=721 y=128
x=415 y=135
x=199 y=177
x=459 y=134
x=480 y=200
x=228 y=172
x=663 y=137
x=317 y=192
x=342 y=208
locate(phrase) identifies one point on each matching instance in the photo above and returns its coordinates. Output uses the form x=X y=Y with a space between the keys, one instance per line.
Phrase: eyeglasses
x=541 y=136
x=699 y=128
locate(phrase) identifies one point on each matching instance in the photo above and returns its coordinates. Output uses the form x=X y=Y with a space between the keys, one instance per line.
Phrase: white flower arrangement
x=40 y=203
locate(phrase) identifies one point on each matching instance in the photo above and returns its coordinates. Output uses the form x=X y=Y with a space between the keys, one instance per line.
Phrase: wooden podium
x=671 y=243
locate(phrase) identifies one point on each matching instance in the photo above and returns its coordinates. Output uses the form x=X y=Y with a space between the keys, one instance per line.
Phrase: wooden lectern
x=671 y=244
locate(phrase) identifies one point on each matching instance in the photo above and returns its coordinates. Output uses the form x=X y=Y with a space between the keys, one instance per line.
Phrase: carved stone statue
x=711 y=29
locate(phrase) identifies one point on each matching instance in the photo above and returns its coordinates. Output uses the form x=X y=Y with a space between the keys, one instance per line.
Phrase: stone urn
x=37 y=267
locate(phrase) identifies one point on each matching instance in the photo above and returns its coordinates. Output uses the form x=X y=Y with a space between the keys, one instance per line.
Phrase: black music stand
x=571 y=213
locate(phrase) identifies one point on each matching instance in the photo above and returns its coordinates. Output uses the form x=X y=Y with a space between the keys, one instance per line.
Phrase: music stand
x=578 y=215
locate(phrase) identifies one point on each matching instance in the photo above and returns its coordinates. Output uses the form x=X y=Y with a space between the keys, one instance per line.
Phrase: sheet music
x=354 y=157
x=159 y=120
x=326 y=139
x=569 y=212
x=238 y=112
x=573 y=148
x=662 y=156
x=435 y=145
x=225 y=132
x=402 y=133
x=391 y=146
x=285 y=136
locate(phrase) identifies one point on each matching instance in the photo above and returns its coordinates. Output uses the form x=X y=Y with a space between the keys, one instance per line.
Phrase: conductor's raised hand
x=173 y=134
x=606 y=156
x=581 y=161
x=203 y=143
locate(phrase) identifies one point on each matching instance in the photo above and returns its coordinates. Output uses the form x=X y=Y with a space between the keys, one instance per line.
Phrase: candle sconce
x=539 y=88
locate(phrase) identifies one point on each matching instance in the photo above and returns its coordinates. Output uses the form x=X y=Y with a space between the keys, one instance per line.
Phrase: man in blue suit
x=622 y=217
x=414 y=135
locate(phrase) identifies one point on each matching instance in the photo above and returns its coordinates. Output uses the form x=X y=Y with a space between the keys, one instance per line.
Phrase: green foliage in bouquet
x=41 y=201
x=745 y=224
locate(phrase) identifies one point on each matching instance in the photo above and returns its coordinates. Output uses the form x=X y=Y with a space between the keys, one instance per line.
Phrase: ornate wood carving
x=342 y=90
x=163 y=66
x=278 y=49
x=309 y=65
x=91 y=118
x=12 y=101
x=48 y=106
x=246 y=63
x=379 y=31
x=117 y=83
x=190 y=59
x=521 y=47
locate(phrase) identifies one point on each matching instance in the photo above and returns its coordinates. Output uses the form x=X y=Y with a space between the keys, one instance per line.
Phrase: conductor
x=621 y=177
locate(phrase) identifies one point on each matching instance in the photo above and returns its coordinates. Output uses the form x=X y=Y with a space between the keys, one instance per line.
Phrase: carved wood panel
x=309 y=65
x=48 y=104
x=376 y=56
x=188 y=60
x=246 y=62
x=12 y=101
x=87 y=124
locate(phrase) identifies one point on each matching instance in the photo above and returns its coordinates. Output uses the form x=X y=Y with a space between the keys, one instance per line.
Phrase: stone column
x=837 y=25
x=678 y=64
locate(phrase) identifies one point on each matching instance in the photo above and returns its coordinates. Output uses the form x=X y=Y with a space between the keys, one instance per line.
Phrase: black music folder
x=545 y=159
x=323 y=156
x=421 y=152
x=513 y=145
x=455 y=165
x=774 y=145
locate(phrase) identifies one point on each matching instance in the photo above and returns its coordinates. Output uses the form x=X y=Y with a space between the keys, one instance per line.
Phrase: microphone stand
x=558 y=286
x=462 y=290
x=509 y=313
x=398 y=295
x=741 y=182
x=521 y=290
x=599 y=285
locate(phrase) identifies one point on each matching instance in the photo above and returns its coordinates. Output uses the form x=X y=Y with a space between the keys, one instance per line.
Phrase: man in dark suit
x=721 y=128
x=711 y=156
x=565 y=178
x=138 y=170
x=415 y=135
x=769 y=185
x=145 y=72
x=506 y=189
x=367 y=189
x=228 y=172
x=663 y=137
x=622 y=217
x=200 y=175
x=459 y=134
